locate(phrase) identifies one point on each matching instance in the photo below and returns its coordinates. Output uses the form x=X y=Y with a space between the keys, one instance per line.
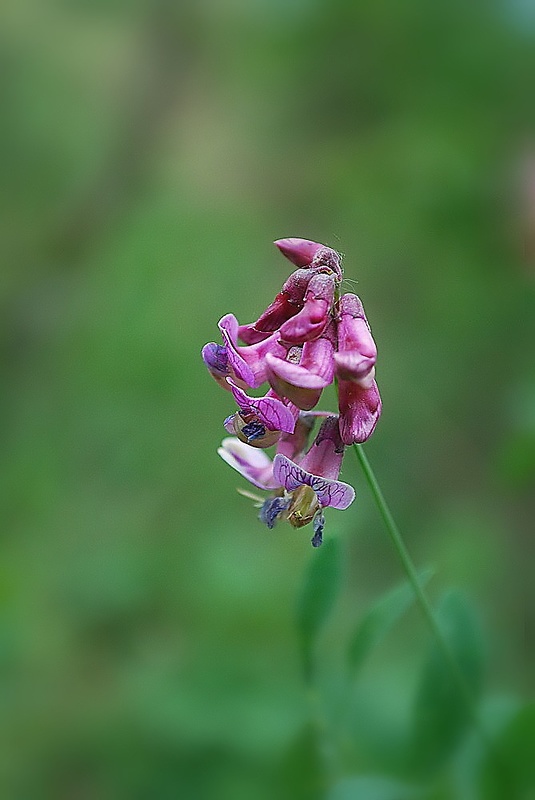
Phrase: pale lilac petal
x=252 y=463
x=335 y=494
x=270 y=410
x=329 y=492
x=313 y=318
x=360 y=409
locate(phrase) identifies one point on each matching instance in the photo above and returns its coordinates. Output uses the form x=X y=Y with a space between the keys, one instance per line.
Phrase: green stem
x=412 y=575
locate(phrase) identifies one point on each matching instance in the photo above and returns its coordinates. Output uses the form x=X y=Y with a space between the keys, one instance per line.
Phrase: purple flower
x=306 y=371
x=313 y=318
x=248 y=363
x=307 y=484
x=298 y=344
x=287 y=303
x=260 y=420
x=216 y=361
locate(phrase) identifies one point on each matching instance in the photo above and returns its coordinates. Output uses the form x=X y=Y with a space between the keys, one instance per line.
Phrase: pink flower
x=360 y=409
x=260 y=420
x=313 y=318
x=356 y=355
x=304 y=340
x=306 y=371
x=307 y=483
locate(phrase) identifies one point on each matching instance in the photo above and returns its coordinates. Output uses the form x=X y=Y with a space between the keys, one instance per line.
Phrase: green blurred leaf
x=318 y=593
x=302 y=774
x=379 y=619
x=510 y=771
x=441 y=716
x=372 y=788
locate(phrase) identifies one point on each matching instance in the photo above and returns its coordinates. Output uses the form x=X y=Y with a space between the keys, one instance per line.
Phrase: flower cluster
x=307 y=338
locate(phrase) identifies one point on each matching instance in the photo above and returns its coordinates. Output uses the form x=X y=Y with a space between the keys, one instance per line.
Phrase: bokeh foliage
x=150 y=152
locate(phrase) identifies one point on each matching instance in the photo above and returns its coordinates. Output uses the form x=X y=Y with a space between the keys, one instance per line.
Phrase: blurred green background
x=150 y=153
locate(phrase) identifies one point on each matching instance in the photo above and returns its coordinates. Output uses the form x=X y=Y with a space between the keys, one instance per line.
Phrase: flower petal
x=303 y=383
x=313 y=318
x=332 y=493
x=250 y=462
x=248 y=363
x=299 y=251
x=357 y=353
x=275 y=415
x=360 y=409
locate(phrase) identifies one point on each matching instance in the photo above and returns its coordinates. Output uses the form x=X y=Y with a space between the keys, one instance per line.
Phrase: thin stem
x=412 y=575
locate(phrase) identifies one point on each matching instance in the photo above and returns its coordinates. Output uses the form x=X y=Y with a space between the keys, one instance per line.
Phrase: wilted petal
x=327 y=260
x=275 y=415
x=253 y=464
x=313 y=318
x=360 y=409
x=355 y=359
x=248 y=362
x=329 y=492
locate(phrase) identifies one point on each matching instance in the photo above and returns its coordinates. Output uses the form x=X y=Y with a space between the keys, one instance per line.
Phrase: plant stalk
x=412 y=575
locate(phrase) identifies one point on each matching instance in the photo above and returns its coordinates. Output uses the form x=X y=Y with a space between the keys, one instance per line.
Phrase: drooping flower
x=306 y=483
x=311 y=483
x=300 y=343
x=360 y=409
x=357 y=353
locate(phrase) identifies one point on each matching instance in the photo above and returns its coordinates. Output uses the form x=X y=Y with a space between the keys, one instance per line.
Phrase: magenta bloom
x=307 y=338
x=313 y=318
x=306 y=483
x=306 y=371
x=355 y=359
x=260 y=420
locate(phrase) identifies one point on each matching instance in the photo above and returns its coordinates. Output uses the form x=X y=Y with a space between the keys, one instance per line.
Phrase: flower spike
x=298 y=344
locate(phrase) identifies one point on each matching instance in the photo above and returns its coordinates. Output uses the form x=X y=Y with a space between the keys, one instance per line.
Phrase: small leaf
x=317 y=596
x=372 y=788
x=380 y=619
x=510 y=771
x=441 y=715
